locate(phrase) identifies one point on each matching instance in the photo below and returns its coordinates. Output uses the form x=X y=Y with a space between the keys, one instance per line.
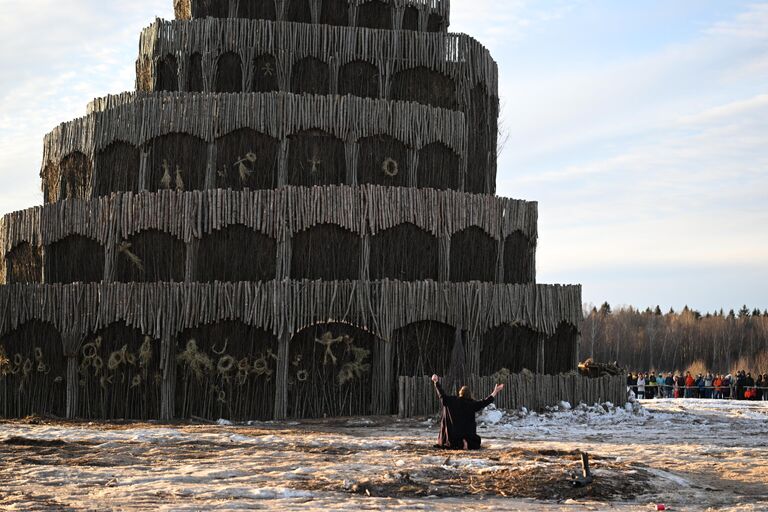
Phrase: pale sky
x=641 y=128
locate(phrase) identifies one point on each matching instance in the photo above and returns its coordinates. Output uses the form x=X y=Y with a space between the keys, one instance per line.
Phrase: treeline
x=687 y=340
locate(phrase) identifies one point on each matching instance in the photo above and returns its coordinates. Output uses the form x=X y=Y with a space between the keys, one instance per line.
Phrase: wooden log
x=281 y=377
x=73 y=389
x=168 y=383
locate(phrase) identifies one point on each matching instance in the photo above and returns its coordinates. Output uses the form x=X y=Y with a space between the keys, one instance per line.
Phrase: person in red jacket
x=458 y=429
x=718 y=383
x=689 y=382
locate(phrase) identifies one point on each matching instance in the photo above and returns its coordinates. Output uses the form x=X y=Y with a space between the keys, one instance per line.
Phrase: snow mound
x=563 y=414
x=491 y=415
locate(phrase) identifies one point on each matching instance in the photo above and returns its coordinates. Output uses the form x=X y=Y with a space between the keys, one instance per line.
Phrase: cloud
x=653 y=160
x=499 y=23
x=65 y=53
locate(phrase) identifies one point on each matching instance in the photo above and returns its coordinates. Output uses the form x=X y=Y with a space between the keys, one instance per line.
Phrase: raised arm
x=482 y=404
x=439 y=390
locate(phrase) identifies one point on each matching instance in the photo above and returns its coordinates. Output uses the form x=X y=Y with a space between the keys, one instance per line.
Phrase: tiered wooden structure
x=293 y=209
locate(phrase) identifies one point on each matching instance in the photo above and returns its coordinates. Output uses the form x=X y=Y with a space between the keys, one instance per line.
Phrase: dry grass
x=698 y=367
x=519 y=473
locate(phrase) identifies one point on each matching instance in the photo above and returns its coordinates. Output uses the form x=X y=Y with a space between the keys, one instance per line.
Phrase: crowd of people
x=684 y=385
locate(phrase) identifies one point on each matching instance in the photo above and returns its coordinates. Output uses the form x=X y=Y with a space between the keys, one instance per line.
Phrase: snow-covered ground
x=687 y=454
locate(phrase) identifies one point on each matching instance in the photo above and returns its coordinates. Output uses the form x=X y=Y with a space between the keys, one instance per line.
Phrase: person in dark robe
x=458 y=429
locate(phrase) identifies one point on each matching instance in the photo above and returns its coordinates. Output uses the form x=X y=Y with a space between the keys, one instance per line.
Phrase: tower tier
x=421 y=15
x=156 y=350
x=256 y=141
x=330 y=233
x=451 y=71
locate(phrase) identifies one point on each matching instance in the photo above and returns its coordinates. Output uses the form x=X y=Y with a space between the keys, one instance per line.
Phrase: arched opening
x=24 y=264
x=32 y=371
x=76 y=171
x=405 y=253
x=151 y=256
x=195 y=73
x=435 y=23
x=330 y=371
x=117 y=169
x=335 y=12
x=481 y=123
x=246 y=158
x=424 y=348
x=519 y=267
x=74 y=259
x=425 y=86
x=178 y=162
x=229 y=73
x=326 y=252
x=257 y=10
x=374 y=14
x=411 y=18
x=508 y=346
x=438 y=167
x=264 y=73
x=226 y=370
x=473 y=256
x=560 y=349
x=383 y=160
x=213 y=9
x=120 y=375
x=298 y=11
x=316 y=157
x=359 y=78
x=167 y=70
x=310 y=76
x=236 y=253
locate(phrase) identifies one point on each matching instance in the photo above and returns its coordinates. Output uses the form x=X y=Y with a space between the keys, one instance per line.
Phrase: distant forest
x=720 y=342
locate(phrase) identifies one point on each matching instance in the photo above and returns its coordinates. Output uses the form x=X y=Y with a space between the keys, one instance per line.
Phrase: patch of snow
x=490 y=415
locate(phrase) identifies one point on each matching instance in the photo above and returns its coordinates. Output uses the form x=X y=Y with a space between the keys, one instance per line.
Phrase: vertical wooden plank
x=281 y=377
x=168 y=384
x=540 y=356
x=143 y=169
x=72 y=386
x=210 y=168
x=444 y=259
x=190 y=261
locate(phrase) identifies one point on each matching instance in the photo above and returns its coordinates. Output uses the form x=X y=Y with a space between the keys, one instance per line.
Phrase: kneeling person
x=458 y=429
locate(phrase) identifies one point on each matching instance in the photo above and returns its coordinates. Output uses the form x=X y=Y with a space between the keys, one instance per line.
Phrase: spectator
x=741 y=381
x=708 y=380
x=765 y=387
x=718 y=384
x=689 y=385
x=669 y=385
x=699 y=386
x=641 y=386
x=727 y=383
x=759 y=387
x=650 y=386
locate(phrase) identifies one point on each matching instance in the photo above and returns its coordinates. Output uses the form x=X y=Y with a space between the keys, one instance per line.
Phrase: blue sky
x=640 y=127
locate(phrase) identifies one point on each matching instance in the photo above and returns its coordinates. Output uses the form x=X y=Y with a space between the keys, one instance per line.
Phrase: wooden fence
x=417 y=397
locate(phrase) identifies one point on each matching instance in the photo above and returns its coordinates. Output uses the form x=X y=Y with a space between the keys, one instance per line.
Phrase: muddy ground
x=689 y=456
